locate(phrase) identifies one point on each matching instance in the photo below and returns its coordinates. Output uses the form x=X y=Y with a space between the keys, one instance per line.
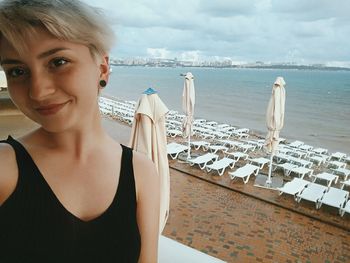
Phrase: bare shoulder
x=8 y=172
x=145 y=172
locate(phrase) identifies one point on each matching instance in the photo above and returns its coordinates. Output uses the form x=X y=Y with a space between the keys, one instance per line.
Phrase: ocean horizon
x=317 y=102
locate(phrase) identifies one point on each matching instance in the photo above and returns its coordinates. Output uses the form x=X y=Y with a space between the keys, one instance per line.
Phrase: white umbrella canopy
x=275 y=118
x=3 y=81
x=188 y=101
x=148 y=136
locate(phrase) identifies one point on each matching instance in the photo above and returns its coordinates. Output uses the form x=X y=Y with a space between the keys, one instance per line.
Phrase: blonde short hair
x=70 y=20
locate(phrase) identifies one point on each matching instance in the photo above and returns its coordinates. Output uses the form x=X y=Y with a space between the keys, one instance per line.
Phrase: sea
x=317 y=109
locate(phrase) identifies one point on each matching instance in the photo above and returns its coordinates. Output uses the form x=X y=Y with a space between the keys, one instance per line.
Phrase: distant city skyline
x=243 y=31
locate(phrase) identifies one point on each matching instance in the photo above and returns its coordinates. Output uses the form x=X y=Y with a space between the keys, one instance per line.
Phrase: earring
x=103 y=83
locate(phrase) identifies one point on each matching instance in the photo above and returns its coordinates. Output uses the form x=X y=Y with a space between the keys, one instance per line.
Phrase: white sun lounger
x=246 y=147
x=334 y=197
x=338 y=155
x=317 y=159
x=287 y=167
x=296 y=144
x=229 y=143
x=215 y=148
x=346 y=208
x=320 y=151
x=293 y=187
x=337 y=164
x=174 y=133
x=345 y=183
x=236 y=155
x=221 y=165
x=302 y=171
x=260 y=161
x=312 y=192
x=203 y=160
x=327 y=177
x=198 y=144
x=244 y=172
x=173 y=149
x=342 y=171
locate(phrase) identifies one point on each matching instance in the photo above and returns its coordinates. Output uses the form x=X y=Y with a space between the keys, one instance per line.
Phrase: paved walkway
x=238 y=228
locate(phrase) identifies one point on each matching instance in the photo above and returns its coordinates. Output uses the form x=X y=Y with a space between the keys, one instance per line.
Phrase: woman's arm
x=8 y=172
x=148 y=200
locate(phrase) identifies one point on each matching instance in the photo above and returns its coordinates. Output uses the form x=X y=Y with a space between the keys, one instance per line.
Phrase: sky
x=297 y=31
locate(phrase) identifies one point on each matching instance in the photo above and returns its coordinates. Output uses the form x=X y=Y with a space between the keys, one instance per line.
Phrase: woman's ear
x=104 y=68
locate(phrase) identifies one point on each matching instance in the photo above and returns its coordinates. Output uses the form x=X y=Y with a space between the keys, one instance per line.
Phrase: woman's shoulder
x=7 y=156
x=8 y=171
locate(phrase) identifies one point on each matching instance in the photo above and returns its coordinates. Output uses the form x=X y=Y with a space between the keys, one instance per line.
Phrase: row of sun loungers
x=319 y=194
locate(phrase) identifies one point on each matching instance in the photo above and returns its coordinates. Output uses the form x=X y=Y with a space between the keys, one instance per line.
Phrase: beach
x=317 y=102
x=233 y=221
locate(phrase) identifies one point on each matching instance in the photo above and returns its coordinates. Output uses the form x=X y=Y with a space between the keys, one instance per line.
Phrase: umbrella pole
x=268 y=181
x=189 y=146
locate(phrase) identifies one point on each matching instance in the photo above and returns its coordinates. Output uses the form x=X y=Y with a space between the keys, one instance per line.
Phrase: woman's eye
x=57 y=62
x=15 y=72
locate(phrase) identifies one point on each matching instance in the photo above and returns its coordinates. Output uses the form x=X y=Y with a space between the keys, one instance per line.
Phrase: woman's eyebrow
x=51 y=52
x=10 y=62
x=40 y=56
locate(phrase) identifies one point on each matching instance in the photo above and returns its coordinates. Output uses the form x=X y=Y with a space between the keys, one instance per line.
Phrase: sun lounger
x=342 y=171
x=221 y=165
x=236 y=155
x=306 y=147
x=174 y=133
x=244 y=172
x=334 y=197
x=287 y=168
x=338 y=155
x=229 y=143
x=302 y=162
x=337 y=164
x=281 y=157
x=346 y=208
x=293 y=187
x=320 y=151
x=215 y=148
x=260 y=161
x=327 y=177
x=203 y=160
x=317 y=159
x=345 y=183
x=257 y=144
x=302 y=171
x=173 y=149
x=238 y=133
x=312 y=192
x=198 y=144
x=246 y=147
x=296 y=144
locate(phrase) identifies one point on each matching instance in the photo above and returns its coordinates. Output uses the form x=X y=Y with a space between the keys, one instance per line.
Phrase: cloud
x=249 y=30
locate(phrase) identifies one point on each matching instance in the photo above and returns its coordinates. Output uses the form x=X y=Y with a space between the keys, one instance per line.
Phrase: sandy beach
x=233 y=221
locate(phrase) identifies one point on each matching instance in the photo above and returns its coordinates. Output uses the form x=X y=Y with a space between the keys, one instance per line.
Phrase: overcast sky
x=301 y=31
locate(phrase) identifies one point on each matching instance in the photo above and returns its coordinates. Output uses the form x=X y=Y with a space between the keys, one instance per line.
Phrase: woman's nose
x=41 y=86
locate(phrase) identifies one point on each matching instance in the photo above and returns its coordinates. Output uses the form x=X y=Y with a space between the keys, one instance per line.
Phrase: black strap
x=127 y=180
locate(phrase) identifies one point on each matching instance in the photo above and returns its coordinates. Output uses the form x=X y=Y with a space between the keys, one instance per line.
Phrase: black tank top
x=35 y=226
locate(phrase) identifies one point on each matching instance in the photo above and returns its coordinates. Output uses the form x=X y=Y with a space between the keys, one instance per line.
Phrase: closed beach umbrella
x=3 y=81
x=188 y=101
x=275 y=118
x=148 y=136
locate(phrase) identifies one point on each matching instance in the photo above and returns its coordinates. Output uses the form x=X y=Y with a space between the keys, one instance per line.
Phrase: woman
x=68 y=191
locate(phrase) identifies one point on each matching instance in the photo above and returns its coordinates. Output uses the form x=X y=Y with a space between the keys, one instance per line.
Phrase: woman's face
x=55 y=83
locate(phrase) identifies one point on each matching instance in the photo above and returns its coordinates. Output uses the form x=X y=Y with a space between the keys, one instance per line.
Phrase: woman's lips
x=50 y=109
